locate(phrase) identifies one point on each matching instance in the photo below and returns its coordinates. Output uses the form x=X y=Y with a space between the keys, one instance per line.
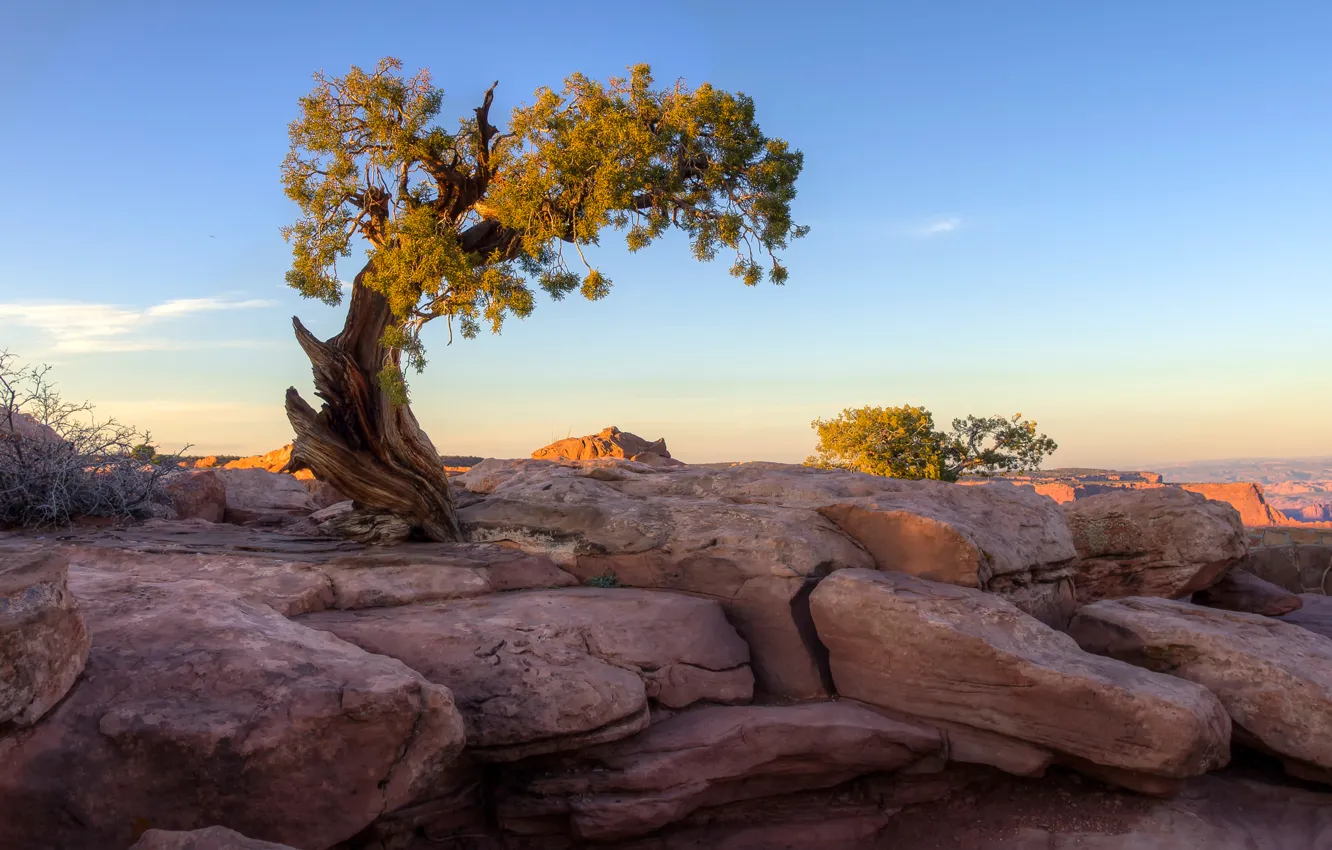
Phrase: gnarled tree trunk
x=361 y=442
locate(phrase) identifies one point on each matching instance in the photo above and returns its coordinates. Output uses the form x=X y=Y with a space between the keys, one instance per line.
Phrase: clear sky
x=1114 y=217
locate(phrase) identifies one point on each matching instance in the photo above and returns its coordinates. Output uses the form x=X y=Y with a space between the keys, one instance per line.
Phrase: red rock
x=295 y=582
x=1157 y=542
x=1245 y=497
x=758 y=560
x=259 y=497
x=43 y=640
x=932 y=650
x=197 y=495
x=199 y=709
x=711 y=757
x=543 y=671
x=1241 y=591
x=1274 y=679
x=274 y=461
x=27 y=427
x=608 y=442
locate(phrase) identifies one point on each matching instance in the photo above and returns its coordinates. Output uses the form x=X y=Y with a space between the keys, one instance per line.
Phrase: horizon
x=1111 y=220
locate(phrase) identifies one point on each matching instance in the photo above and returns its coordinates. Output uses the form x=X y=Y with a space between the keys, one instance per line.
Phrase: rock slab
x=1274 y=678
x=543 y=671
x=933 y=650
x=1239 y=590
x=1162 y=542
x=197 y=494
x=709 y=757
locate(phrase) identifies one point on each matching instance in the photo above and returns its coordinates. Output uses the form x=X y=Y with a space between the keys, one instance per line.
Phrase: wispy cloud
x=937 y=227
x=75 y=327
x=184 y=306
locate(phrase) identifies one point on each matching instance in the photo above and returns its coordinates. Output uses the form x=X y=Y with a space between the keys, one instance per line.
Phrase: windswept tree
x=902 y=442
x=466 y=224
x=987 y=445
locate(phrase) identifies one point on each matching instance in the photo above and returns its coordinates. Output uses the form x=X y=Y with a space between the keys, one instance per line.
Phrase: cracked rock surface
x=542 y=671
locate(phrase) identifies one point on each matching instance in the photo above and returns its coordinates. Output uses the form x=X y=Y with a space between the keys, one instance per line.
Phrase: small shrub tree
x=58 y=462
x=902 y=442
x=898 y=442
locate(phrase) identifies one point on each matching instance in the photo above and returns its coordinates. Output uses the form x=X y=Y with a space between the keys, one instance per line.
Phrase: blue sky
x=1112 y=217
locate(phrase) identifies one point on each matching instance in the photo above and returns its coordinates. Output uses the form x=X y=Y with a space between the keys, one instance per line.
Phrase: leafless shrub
x=58 y=462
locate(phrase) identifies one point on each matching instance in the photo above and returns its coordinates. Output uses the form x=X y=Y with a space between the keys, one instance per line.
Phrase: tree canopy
x=463 y=223
x=902 y=442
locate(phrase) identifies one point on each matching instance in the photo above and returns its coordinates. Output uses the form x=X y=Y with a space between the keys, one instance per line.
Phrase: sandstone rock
x=542 y=671
x=758 y=560
x=197 y=495
x=289 y=587
x=201 y=709
x=403 y=575
x=259 y=497
x=296 y=582
x=608 y=442
x=1158 y=542
x=274 y=461
x=1245 y=497
x=1274 y=679
x=1315 y=614
x=212 y=838
x=710 y=757
x=1004 y=540
x=43 y=640
x=751 y=535
x=1242 y=591
x=27 y=427
x=934 y=650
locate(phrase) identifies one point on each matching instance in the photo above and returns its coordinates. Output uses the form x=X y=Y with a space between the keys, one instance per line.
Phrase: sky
x=1114 y=218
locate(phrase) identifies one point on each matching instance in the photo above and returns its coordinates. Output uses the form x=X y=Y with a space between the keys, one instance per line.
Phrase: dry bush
x=58 y=462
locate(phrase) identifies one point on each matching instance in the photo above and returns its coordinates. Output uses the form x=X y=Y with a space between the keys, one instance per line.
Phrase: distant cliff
x=1066 y=485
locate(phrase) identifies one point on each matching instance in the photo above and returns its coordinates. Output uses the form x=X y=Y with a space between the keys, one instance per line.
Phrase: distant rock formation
x=609 y=442
x=274 y=461
x=1067 y=485
x=1246 y=497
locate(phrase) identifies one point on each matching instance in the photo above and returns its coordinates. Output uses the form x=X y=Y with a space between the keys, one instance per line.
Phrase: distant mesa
x=609 y=442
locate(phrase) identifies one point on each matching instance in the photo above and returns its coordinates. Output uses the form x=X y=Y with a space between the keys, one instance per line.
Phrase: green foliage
x=607 y=580
x=899 y=442
x=463 y=223
x=902 y=442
